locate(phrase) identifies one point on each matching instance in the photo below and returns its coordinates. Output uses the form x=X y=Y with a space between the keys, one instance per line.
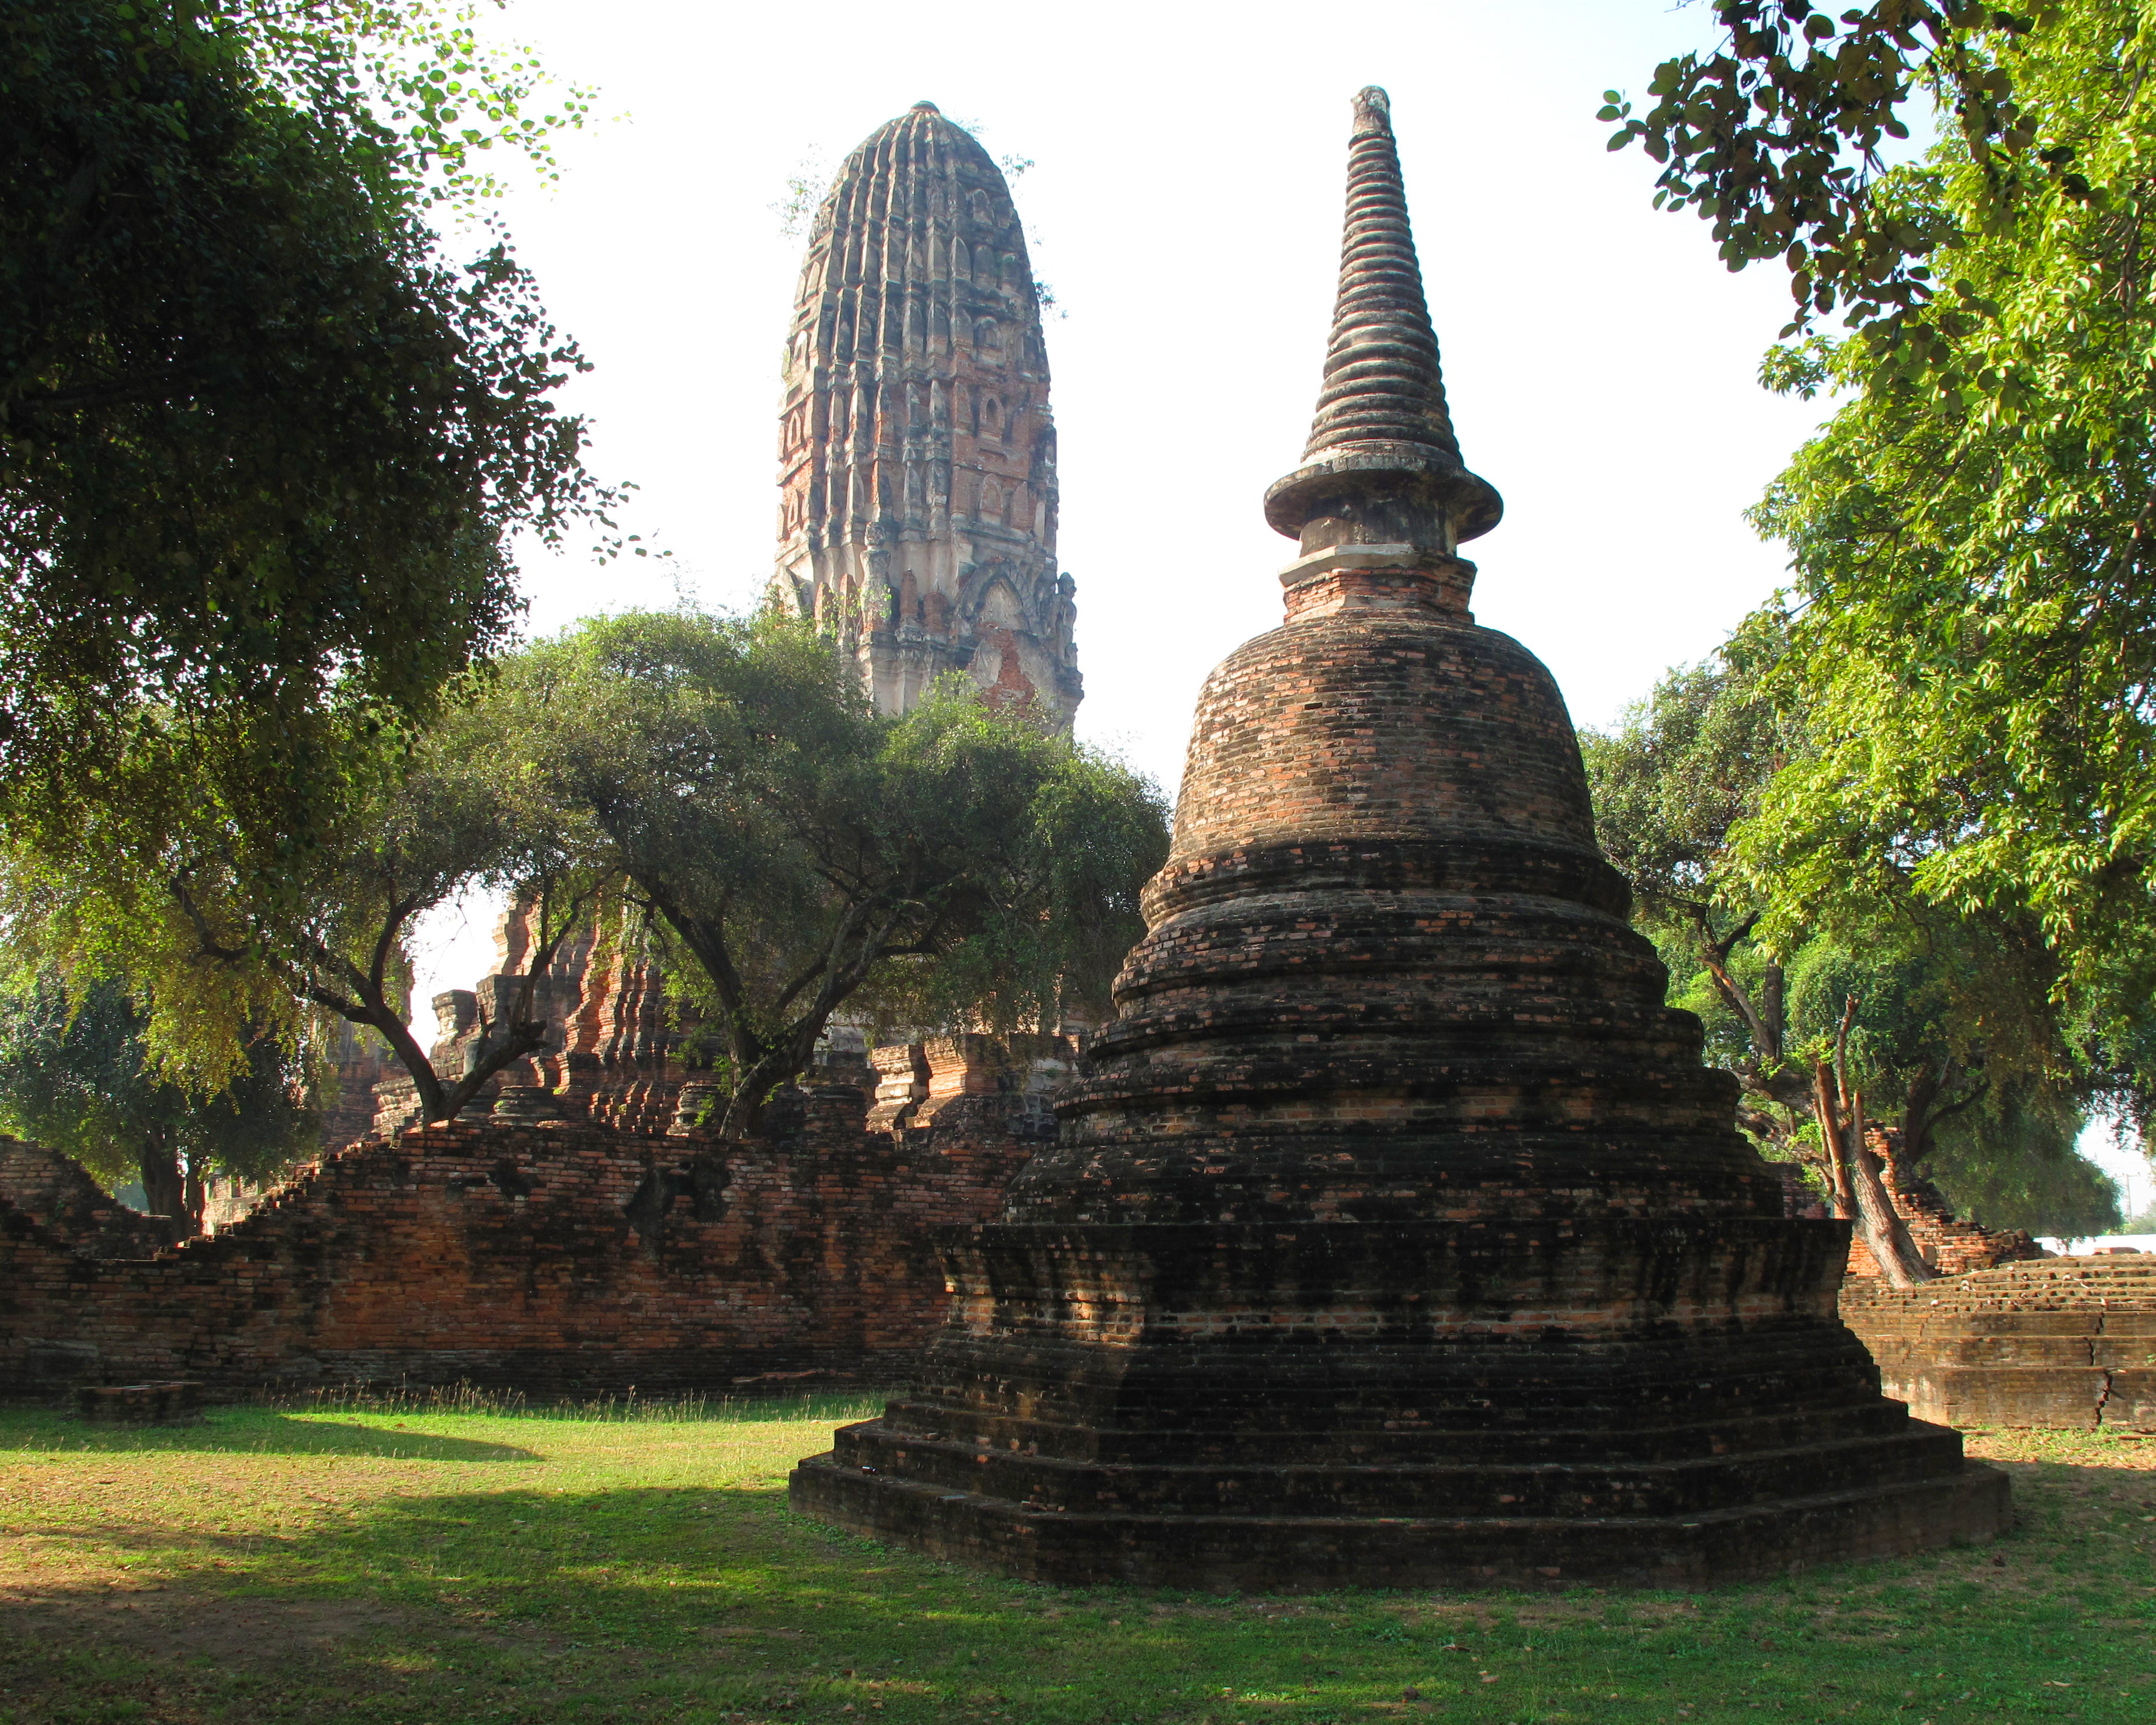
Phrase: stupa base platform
x=1311 y=1406
x=1312 y=1553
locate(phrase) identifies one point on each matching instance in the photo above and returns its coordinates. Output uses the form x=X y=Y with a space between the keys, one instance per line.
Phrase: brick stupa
x=1399 y=1236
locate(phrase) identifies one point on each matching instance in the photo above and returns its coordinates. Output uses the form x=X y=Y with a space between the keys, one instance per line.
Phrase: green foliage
x=795 y=851
x=261 y=449
x=1971 y=537
x=76 y=1075
x=1973 y=638
x=1776 y=138
x=1673 y=779
x=1948 y=1024
x=219 y=924
x=2011 y=1163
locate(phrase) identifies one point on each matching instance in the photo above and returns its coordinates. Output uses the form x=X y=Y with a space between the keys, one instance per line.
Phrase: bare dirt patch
x=170 y=1623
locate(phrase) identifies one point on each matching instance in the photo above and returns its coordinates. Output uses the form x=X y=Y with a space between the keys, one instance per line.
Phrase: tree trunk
x=1858 y=1190
x=1893 y=1247
x=164 y=1189
x=194 y=1196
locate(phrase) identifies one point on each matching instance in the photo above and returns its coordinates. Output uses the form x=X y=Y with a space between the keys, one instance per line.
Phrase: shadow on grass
x=257 y=1432
x=704 y=1604
x=712 y=1605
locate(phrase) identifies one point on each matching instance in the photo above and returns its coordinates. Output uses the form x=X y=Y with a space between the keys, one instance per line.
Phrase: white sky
x=1185 y=207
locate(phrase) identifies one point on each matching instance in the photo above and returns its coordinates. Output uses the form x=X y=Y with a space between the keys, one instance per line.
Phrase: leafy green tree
x=797 y=852
x=1974 y=641
x=1943 y=1027
x=220 y=929
x=261 y=449
x=1671 y=782
x=76 y=1074
x=2010 y=1162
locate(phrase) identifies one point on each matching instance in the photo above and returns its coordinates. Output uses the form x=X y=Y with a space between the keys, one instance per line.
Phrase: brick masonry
x=2067 y=1343
x=53 y=1191
x=1396 y=1235
x=558 y=1258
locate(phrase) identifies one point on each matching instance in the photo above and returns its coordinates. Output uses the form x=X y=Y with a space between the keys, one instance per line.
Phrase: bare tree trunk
x=163 y=1188
x=1893 y=1245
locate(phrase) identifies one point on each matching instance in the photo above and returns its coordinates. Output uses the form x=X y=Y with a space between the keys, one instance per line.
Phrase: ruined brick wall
x=1949 y=1244
x=557 y=1258
x=362 y=1060
x=53 y=1190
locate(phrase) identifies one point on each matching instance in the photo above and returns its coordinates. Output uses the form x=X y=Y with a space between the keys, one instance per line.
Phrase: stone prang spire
x=1397 y=1235
x=917 y=453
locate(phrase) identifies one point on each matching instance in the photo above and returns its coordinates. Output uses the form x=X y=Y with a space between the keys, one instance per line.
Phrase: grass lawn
x=433 y=1567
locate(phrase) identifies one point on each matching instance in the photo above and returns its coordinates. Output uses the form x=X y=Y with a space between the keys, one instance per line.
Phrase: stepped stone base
x=2063 y=1342
x=1309 y=1405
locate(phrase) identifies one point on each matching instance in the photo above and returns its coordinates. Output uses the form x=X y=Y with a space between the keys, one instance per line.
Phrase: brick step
x=1309 y=1553
x=1324 y=1433
x=1308 y=1487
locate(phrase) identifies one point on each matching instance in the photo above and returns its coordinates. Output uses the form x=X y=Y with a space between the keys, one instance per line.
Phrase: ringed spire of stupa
x=1381 y=457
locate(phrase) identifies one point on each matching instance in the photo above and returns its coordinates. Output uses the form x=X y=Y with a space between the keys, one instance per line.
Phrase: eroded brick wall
x=557 y=1258
x=54 y=1190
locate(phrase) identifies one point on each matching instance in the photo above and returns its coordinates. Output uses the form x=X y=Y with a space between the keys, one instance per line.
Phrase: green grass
x=433 y=1565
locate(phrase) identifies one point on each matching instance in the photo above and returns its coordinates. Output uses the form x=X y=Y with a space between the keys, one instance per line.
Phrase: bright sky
x=1185 y=207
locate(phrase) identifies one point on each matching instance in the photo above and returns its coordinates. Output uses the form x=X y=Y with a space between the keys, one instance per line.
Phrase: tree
x=76 y=1074
x=1670 y=783
x=795 y=851
x=220 y=929
x=2010 y=1162
x=1776 y=138
x=261 y=450
x=1974 y=641
x=1883 y=1011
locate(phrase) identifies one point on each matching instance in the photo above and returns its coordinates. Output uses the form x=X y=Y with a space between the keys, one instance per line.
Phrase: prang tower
x=916 y=457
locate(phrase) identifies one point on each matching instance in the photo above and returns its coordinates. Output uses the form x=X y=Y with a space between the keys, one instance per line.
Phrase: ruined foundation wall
x=562 y=1258
x=2067 y=1343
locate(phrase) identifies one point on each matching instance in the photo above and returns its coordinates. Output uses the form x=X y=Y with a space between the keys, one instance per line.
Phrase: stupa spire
x=1382 y=462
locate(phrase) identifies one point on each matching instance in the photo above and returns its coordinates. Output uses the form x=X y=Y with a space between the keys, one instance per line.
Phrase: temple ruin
x=2062 y=1343
x=917 y=471
x=559 y=1257
x=1398 y=1234
x=916 y=452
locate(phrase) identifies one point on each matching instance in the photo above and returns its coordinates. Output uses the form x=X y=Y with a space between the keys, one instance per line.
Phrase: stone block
x=176 y=1402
